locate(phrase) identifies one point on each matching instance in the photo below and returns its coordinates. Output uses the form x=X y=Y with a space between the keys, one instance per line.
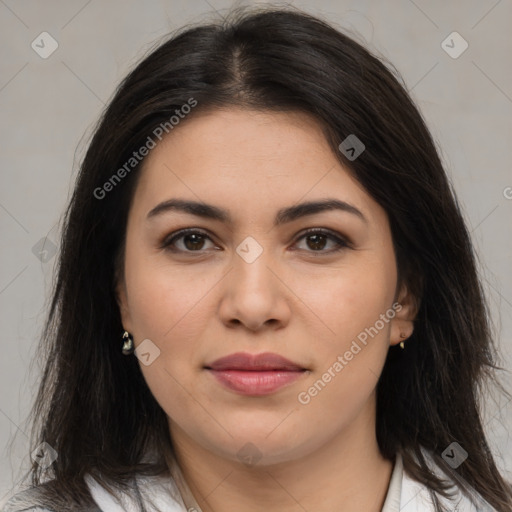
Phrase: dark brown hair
x=94 y=407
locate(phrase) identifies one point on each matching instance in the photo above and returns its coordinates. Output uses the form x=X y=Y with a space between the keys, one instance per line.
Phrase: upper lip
x=254 y=362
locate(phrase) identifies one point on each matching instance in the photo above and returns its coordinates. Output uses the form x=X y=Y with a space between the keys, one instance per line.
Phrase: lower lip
x=255 y=383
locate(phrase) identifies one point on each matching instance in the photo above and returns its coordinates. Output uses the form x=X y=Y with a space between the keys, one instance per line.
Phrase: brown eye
x=318 y=239
x=191 y=241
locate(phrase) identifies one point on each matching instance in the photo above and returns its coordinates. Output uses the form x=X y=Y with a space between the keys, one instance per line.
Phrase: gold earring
x=402 y=335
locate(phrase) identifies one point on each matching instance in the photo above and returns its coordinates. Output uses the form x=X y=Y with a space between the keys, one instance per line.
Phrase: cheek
x=349 y=366
x=165 y=307
x=351 y=298
x=163 y=298
x=170 y=307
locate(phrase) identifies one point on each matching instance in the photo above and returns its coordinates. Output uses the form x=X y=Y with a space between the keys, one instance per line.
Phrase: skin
x=305 y=303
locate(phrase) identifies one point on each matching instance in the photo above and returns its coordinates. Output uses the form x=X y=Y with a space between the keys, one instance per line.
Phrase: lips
x=255 y=375
x=259 y=362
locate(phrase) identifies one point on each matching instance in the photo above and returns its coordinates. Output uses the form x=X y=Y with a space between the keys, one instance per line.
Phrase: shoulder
x=28 y=500
x=156 y=492
x=32 y=500
x=416 y=496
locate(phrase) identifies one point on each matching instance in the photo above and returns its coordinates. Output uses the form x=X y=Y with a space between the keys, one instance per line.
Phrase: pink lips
x=255 y=375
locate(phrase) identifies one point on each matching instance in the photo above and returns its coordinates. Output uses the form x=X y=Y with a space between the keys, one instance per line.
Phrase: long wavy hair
x=93 y=405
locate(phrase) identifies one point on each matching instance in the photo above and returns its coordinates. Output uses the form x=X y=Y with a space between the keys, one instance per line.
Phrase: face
x=252 y=281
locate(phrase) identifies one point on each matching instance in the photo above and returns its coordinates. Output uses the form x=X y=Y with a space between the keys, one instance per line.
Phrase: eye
x=193 y=240
x=317 y=239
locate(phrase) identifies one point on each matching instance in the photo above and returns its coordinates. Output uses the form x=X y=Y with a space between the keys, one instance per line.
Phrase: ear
x=122 y=301
x=402 y=325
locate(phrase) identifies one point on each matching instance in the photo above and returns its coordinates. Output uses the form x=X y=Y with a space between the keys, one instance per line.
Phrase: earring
x=402 y=335
x=128 y=346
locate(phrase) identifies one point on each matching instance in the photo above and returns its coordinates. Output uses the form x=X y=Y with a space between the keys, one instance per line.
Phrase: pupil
x=317 y=244
x=194 y=243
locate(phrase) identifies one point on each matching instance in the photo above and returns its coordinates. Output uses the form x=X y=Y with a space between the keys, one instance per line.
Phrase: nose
x=254 y=295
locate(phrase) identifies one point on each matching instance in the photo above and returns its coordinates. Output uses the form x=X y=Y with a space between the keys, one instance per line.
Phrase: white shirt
x=404 y=495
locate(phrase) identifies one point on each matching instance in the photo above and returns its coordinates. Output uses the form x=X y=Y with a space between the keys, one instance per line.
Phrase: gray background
x=49 y=106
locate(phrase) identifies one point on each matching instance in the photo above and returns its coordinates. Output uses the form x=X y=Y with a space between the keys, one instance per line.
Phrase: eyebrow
x=284 y=215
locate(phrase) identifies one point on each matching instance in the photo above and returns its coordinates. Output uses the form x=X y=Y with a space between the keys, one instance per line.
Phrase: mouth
x=255 y=375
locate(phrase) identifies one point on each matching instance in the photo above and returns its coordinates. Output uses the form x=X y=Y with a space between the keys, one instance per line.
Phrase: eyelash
x=341 y=242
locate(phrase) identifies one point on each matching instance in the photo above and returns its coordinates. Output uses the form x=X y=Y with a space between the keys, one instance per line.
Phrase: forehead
x=245 y=138
x=247 y=159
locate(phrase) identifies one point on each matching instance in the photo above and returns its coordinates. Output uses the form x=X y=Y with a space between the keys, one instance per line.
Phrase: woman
x=267 y=296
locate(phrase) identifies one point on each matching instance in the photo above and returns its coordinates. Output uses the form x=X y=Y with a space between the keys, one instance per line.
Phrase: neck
x=347 y=474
